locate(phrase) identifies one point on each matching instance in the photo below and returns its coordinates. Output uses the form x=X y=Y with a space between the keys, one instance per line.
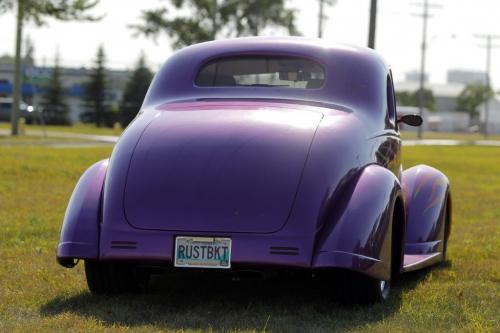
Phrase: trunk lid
x=229 y=168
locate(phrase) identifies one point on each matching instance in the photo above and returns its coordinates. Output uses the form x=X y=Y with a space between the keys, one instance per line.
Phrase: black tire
x=113 y=278
x=446 y=232
x=354 y=288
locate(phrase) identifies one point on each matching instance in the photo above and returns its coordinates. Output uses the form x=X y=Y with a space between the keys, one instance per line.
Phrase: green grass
x=23 y=140
x=38 y=295
x=76 y=128
x=407 y=135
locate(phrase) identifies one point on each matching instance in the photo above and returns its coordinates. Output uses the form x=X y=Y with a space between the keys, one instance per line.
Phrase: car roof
x=284 y=43
x=355 y=76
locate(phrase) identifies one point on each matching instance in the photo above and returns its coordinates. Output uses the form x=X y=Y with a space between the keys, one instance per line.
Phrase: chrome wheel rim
x=384 y=287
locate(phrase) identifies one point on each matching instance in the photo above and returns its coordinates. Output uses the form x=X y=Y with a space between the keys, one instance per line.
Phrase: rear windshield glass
x=261 y=71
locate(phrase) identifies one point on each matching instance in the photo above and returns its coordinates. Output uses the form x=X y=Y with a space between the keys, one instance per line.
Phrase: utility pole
x=425 y=15
x=487 y=81
x=214 y=19
x=373 y=24
x=16 y=89
x=322 y=16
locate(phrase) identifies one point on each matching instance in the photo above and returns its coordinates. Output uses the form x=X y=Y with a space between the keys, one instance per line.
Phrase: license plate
x=202 y=252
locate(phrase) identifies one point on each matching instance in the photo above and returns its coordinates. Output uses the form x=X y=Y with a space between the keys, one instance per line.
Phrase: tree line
x=193 y=21
x=203 y=21
x=472 y=96
x=186 y=22
x=97 y=100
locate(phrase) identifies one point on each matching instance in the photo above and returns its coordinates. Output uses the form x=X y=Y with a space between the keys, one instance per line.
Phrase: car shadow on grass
x=200 y=303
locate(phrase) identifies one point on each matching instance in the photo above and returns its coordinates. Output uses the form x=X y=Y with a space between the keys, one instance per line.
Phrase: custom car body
x=276 y=154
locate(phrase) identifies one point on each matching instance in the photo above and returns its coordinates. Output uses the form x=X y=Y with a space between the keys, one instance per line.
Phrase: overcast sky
x=451 y=31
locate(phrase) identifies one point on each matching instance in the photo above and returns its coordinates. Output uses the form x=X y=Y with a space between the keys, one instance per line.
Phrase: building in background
x=493 y=115
x=414 y=76
x=445 y=94
x=73 y=79
x=465 y=77
x=446 y=117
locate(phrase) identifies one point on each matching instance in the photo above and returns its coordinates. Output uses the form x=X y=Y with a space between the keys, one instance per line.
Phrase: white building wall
x=493 y=115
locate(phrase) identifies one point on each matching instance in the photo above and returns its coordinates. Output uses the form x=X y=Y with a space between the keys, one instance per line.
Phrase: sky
x=451 y=34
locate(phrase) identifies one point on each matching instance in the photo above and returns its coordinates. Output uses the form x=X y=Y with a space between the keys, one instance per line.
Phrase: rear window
x=261 y=71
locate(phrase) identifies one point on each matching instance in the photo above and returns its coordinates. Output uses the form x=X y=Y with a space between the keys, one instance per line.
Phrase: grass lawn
x=38 y=295
x=413 y=135
x=23 y=140
x=76 y=128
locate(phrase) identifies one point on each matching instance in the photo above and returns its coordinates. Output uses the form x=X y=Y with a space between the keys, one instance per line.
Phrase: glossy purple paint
x=80 y=231
x=349 y=234
x=188 y=162
x=426 y=195
x=315 y=170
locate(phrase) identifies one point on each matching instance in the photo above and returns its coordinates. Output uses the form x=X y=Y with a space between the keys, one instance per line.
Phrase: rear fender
x=427 y=192
x=357 y=235
x=80 y=231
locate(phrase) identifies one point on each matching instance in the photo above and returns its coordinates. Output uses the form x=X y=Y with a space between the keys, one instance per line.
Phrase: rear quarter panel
x=426 y=192
x=80 y=230
x=357 y=235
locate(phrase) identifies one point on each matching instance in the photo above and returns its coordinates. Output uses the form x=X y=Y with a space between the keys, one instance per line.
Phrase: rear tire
x=112 y=277
x=446 y=231
x=354 y=288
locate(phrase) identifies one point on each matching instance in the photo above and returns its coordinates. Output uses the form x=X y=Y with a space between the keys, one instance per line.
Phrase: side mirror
x=411 y=119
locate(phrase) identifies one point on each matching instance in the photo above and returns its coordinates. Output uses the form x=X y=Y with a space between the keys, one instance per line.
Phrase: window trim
x=391 y=101
x=261 y=55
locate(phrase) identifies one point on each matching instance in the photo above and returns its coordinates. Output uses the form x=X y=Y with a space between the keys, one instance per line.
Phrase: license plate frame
x=189 y=247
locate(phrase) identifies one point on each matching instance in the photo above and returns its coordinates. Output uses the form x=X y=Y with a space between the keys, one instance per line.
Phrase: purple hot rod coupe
x=262 y=154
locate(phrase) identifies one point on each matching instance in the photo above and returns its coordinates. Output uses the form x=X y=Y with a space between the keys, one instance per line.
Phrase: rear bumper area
x=247 y=249
x=262 y=251
x=67 y=252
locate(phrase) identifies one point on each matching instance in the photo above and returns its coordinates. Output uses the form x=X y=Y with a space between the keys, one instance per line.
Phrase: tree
x=472 y=96
x=207 y=18
x=135 y=91
x=429 y=100
x=55 y=109
x=405 y=98
x=36 y=11
x=96 y=94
